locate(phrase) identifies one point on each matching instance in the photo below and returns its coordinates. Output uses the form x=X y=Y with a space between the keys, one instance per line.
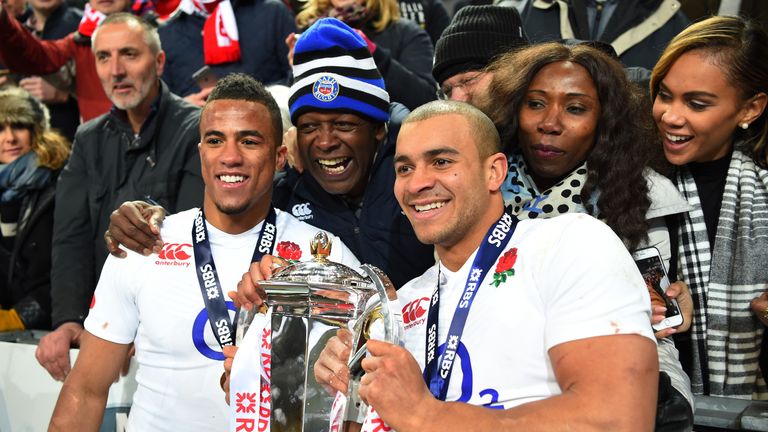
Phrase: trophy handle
x=381 y=307
x=393 y=327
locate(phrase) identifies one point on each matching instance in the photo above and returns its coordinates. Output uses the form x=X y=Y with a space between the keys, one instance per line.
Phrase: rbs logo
x=201 y=326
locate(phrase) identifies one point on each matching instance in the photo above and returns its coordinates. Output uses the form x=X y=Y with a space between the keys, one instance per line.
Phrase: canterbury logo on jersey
x=175 y=254
x=302 y=211
x=414 y=312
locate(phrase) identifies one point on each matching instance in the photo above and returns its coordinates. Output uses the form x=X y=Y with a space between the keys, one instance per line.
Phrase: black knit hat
x=476 y=35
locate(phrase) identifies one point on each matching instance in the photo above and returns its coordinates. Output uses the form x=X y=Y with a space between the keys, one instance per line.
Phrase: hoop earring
x=744 y=125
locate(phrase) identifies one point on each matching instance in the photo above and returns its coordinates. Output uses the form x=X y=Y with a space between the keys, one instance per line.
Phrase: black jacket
x=653 y=23
x=64 y=20
x=108 y=166
x=262 y=25
x=431 y=15
x=404 y=55
x=25 y=271
x=378 y=232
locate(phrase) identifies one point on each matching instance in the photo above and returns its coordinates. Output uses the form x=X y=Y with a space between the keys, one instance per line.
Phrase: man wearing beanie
x=474 y=38
x=341 y=111
x=340 y=108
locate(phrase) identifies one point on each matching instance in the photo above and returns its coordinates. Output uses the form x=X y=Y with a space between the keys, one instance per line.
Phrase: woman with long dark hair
x=580 y=140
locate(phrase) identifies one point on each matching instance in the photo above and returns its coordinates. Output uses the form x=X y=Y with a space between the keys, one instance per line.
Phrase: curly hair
x=624 y=140
x=739 y=46
x=384 y=12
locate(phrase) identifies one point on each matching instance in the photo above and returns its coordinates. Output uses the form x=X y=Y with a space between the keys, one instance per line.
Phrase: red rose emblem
x=507 y=261
x=289 y=250
x=504 y=267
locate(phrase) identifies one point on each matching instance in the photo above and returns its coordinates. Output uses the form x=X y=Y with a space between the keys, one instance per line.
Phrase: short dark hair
x=239 y=86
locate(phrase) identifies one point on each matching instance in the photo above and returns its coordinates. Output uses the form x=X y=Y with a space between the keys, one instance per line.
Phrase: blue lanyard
x=496 y=241
x=210 y=286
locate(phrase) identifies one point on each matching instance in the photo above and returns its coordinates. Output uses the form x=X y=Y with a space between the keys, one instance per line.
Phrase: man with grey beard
x=145 y=148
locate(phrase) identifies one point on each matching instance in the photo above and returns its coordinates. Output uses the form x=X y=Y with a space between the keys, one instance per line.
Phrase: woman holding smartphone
x=709 y=96
x=580 y=140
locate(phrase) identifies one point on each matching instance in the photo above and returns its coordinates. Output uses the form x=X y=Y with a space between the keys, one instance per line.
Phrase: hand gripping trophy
x=307 y=302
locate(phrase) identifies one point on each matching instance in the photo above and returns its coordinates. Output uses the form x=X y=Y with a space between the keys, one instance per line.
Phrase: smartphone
x=205 y=77
x=651 y=266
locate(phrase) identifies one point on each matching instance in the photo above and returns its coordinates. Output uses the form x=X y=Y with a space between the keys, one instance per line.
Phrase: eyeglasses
x=444 y=92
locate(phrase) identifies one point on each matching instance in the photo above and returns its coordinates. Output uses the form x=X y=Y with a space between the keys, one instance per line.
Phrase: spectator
x=402 y=52
x=31 y=155
x=430 y=15
x=476 y=36
x=709 y=94
x=697 y=10
x=50 y=20
x=45 y=57
x=144 y=148
x=180 y=364
x=579 y=141
x=549 y=336
x=637 y=29
x=256 y=33
x=346 y=184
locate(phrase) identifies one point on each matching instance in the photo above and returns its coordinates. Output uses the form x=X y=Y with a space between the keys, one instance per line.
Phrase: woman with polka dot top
x=580 y=140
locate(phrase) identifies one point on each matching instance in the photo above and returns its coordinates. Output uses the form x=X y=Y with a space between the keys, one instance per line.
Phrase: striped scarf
x=726 y=335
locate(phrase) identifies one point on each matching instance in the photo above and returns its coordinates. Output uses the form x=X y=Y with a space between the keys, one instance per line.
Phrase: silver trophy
x=310 y=301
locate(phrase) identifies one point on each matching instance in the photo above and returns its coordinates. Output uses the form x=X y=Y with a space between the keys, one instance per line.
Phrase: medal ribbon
x=495 y=242
x=210 y=286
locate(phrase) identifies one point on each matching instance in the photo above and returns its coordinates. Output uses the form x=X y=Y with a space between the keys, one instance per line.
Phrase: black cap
x=475 y=36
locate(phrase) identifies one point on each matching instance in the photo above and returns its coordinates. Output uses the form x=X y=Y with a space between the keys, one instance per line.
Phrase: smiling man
x=173 y=306
x=144 y=148
x=340 y=109
x=518 y=319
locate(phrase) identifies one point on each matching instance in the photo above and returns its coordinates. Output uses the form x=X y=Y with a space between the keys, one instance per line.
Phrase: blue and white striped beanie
x=333 y=70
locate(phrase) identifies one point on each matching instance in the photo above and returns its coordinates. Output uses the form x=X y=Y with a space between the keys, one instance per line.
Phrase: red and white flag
x=221 y=41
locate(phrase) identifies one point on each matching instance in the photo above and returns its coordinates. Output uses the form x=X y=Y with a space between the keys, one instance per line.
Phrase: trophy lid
x=319 y=270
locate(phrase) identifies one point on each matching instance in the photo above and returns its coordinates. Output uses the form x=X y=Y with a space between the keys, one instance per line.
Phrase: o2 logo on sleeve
x=212 y=351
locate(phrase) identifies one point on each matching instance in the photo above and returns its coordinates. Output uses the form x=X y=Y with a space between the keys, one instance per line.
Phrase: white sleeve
x=590 y=286
x=114 y=315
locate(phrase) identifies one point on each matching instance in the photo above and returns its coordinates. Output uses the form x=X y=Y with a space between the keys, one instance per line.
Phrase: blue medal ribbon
x=496 y=241
x=210 y=286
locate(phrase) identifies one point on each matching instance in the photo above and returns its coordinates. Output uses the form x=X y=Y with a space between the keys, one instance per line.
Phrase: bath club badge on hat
x=326 y=88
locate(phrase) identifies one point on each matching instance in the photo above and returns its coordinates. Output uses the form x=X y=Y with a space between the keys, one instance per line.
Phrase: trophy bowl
x=309 y=302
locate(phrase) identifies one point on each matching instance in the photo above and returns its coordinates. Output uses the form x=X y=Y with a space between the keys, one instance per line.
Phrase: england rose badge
x=288 y=250
x=504 y=267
